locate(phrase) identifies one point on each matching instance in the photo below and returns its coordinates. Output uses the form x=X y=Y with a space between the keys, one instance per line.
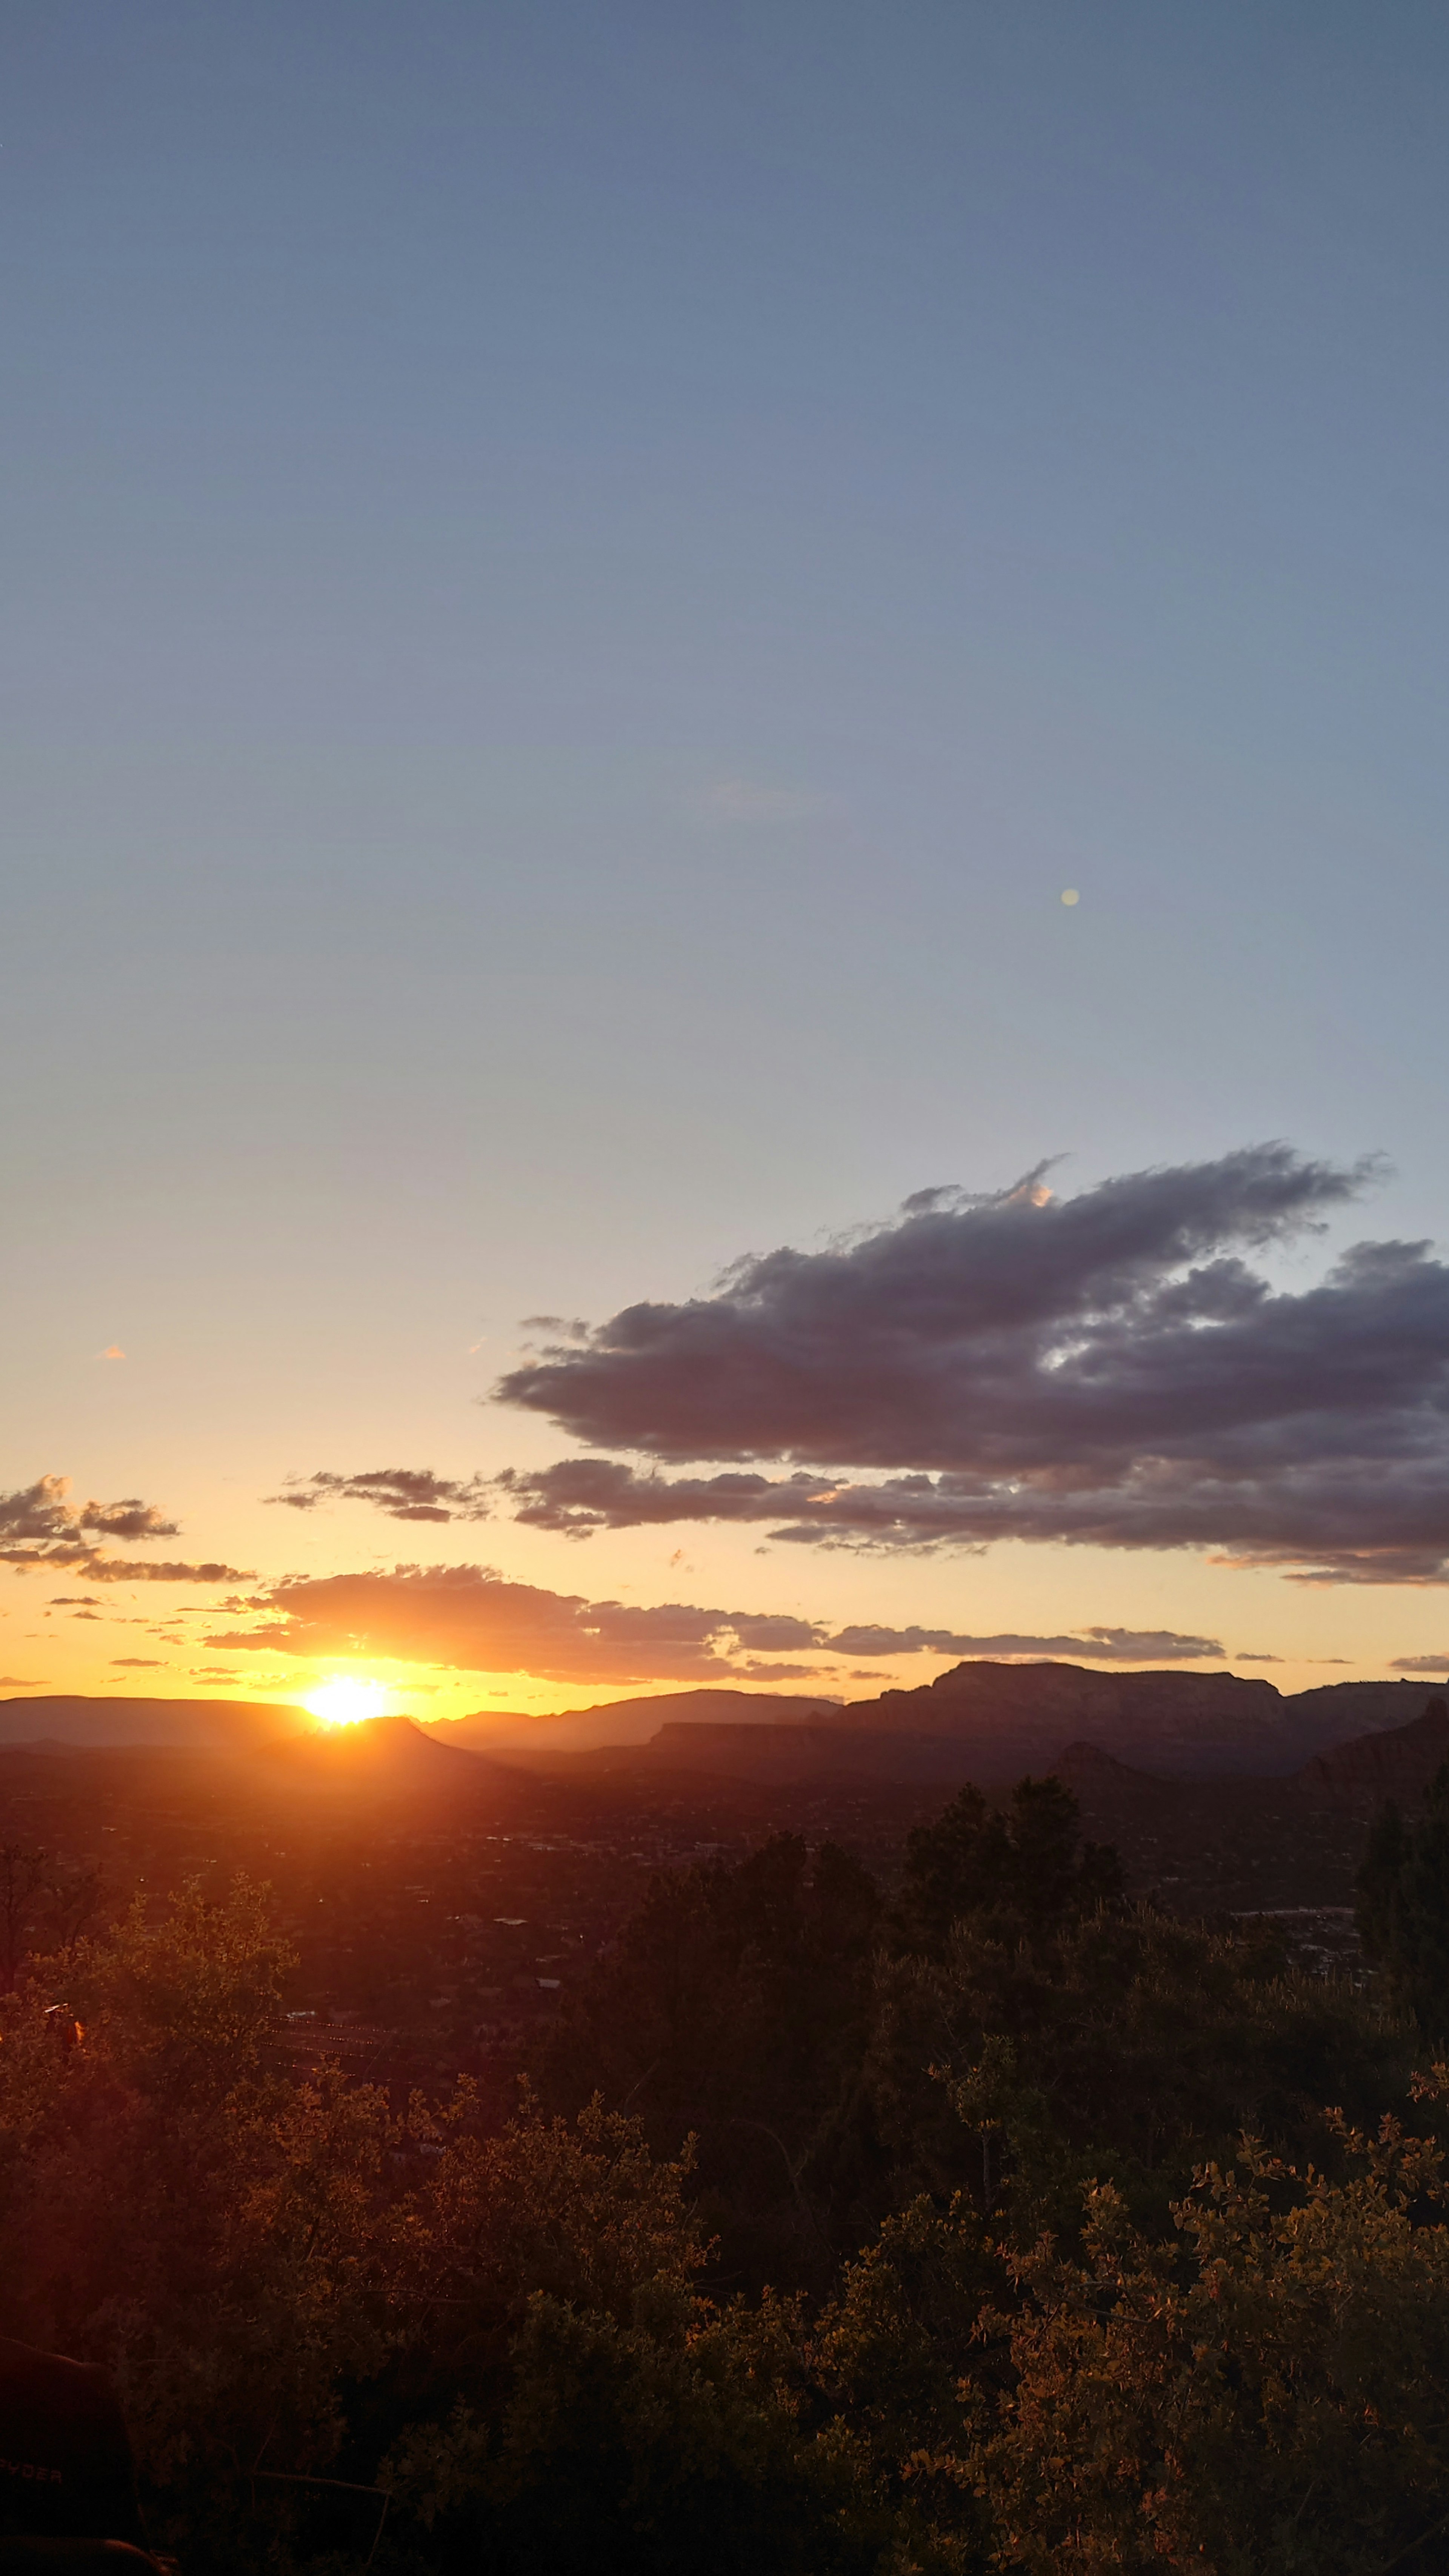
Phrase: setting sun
x=344 y=1701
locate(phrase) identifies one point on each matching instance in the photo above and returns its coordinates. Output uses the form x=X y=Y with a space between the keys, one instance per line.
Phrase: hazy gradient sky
x=578 y=581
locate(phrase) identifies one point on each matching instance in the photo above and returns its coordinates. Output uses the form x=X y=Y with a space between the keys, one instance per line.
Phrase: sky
x=580 y=586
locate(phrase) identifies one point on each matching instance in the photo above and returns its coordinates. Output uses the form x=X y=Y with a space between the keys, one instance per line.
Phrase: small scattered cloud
x=112 y=1351
x=41 y=1526
x=404 y=1493
x=116 y=1569
x=1437 y=1664
x=1257 y=1659
x=75 y=1601
x=20 y=1681
x=141 y=1663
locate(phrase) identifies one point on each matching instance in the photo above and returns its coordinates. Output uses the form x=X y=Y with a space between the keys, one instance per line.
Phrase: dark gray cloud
x=1089 y=1645
x=1108 y=1369
x=40 y=1526
x=469 y=1617
x=404 y=1493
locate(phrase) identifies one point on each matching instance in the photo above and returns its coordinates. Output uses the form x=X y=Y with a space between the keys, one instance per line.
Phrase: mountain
x=985 y=1722
x=1337 y=1711
x=981 y=1720
x=1399 y=1762
x=624 y=1721
x=212 y=1725
x=1019 y=1716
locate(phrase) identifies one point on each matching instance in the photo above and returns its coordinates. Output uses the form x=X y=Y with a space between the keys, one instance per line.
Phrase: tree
x=1265 y=2395
x=23 y=1874
x=1023 y=1868
x=574 y=2401
x=735 y=2009
x=1402 y=1909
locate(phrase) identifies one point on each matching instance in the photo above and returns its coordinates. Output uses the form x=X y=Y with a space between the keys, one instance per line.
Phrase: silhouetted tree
x=1023 y=1866
x=23 y=1874
x=1403 y=1904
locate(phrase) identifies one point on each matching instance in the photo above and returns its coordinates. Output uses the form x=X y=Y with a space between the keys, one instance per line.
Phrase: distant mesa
x=203 y=1725
x=626 y=1721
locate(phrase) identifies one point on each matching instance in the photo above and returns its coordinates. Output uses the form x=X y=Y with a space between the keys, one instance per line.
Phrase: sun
x=345 y=1701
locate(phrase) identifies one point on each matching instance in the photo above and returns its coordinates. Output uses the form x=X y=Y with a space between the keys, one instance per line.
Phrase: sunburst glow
x=345 y=1701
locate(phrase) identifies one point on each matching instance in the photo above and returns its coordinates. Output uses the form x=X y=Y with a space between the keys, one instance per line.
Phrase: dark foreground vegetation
x=997 y=2221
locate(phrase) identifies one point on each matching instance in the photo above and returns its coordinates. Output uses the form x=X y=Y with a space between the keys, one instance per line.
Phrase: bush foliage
x=1003 y=2226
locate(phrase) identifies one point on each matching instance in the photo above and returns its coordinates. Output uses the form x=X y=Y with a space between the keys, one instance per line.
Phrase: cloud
x=468 y=1617
x=40 y=1526
x=1246 y=1658
x=141 y=1663
x=1438 y=1664
x=19 y=1681
x=1089 y=1645
x=404 y=1493
x=112 y=1351
x=75 y=1601
x=1108 y=1369
x=135 y=1569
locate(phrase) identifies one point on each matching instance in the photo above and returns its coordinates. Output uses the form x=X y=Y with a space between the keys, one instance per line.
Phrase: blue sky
x=579 y=581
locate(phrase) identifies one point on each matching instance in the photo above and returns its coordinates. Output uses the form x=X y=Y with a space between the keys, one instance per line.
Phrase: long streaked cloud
x=1086 y=1645
x=1434 y=1664
x=40 y=1526
x=404 y=1493
x=470 y=1618
x=1107 y=1369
